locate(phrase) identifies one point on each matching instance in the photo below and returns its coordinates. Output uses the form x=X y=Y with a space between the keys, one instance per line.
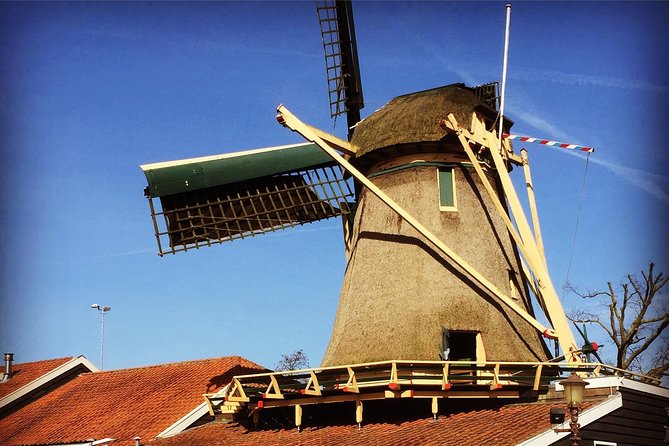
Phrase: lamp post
x=573 y=393
x=103 y=311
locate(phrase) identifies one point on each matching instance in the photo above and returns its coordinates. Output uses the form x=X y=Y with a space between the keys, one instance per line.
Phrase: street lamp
x=573 y=393
x=103 y=311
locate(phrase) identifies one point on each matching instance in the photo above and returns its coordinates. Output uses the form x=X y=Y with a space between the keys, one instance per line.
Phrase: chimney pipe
x=137 y=441
x=9 y=360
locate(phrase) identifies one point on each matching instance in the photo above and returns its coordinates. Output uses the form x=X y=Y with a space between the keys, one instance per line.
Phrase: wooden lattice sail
x=220 y=198
x=401 y=298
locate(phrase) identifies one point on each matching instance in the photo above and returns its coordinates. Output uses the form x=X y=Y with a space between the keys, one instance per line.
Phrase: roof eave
x=586 y=417
x=191 y=417
x=46 y=379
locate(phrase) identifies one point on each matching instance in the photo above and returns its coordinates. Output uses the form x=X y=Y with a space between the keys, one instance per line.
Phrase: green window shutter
x=446 y=188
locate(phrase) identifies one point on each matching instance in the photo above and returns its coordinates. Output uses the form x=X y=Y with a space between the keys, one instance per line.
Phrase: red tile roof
x=120 y=404
x=27 y=372
x=505 y=425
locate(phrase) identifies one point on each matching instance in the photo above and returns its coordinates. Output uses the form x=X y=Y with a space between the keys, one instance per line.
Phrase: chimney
x=9 y=360
x=137 y=441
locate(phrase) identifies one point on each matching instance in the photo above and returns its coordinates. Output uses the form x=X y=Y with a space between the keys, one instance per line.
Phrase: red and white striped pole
x=548 y=142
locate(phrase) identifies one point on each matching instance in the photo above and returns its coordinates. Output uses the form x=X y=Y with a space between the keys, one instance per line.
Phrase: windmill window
x=446 y=181
x=461 y=345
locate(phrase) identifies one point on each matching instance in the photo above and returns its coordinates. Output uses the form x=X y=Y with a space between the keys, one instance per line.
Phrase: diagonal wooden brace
x=352 y=383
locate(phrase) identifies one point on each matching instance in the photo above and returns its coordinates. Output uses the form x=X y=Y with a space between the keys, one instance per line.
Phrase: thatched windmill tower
x=436 y=269
x=401 y=298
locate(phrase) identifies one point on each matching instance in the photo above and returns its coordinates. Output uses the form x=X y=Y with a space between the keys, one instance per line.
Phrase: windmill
x=437 y=268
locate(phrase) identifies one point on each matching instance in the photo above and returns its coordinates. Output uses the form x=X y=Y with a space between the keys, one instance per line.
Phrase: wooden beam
x=466 y=394
x=289 y=120
x=341 y=398
x=335 y=142
x=537 y=377
x=480 y=135
x=533 y=204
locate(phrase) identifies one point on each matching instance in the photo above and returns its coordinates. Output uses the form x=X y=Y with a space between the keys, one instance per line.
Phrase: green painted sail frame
x=214 y=199
x=172 y=177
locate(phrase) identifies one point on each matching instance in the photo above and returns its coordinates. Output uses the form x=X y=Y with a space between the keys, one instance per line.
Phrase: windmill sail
x=221 y=198
x=341 y=60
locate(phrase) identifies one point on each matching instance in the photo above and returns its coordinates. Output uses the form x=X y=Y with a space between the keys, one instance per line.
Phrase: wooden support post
x=358 y=413
x=291 y=121
x=298 y=416
x=537 y=377
x=435 y=407
x=495 y=385
x=445 y=385
x=394 y=385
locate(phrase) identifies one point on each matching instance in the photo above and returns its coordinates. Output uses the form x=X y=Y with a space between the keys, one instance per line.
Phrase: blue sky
x=90 y=91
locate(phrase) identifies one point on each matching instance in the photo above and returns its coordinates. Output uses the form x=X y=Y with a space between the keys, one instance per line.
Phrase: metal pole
x=103 y=310
x=102 y=340
x=506 y=56
x=574 y=427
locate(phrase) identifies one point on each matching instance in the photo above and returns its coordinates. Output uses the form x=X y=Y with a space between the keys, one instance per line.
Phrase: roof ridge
x=433 y=89
x=63 y=358
x=238 y=359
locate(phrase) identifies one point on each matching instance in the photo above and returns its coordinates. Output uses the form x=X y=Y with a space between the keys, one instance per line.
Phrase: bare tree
x=293 y=361
x=638 y=314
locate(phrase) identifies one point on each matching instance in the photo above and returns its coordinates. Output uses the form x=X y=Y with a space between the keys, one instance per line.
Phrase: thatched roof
x=414 y=118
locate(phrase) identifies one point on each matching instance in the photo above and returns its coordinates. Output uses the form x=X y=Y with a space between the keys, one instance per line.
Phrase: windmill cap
x=414 y=118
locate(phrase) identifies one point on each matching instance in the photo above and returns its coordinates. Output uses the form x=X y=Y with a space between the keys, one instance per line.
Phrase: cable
x=578 y=218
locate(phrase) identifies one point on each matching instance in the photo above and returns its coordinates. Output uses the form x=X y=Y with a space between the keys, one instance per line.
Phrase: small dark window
x=459 y=345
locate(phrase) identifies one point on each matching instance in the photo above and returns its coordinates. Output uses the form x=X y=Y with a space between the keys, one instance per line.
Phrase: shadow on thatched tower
x=401 y=299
